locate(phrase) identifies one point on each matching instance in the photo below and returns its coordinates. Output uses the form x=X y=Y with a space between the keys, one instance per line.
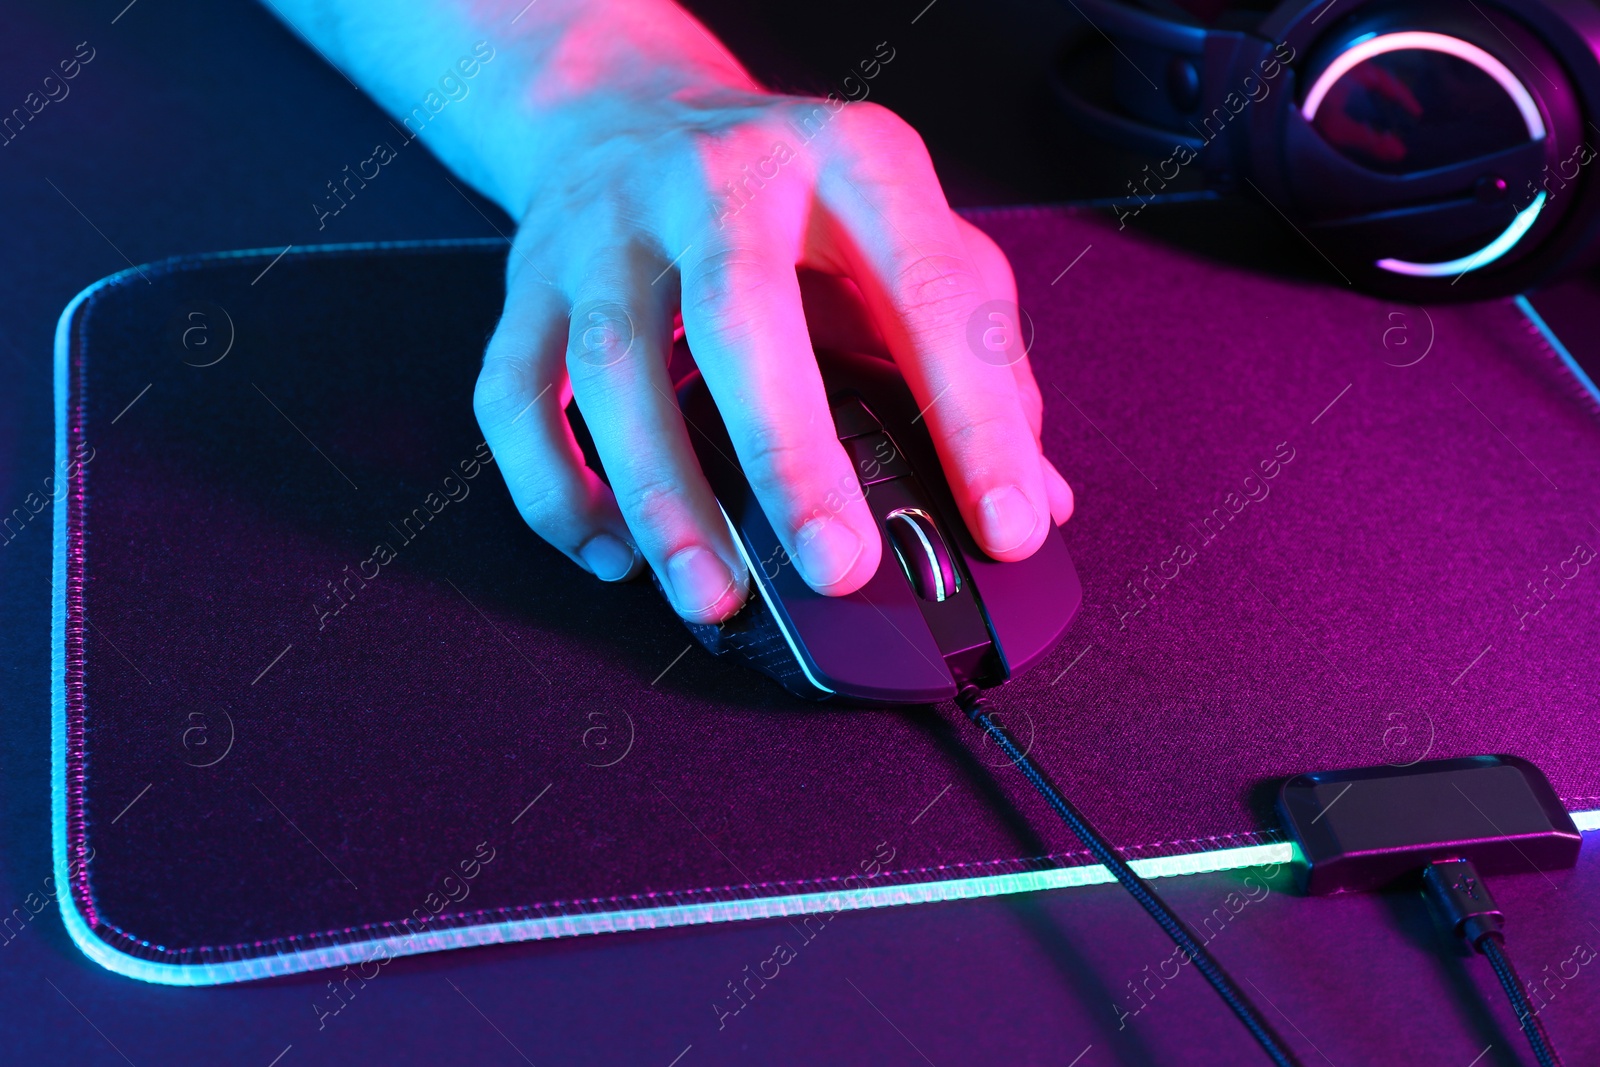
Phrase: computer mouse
x=938 y=615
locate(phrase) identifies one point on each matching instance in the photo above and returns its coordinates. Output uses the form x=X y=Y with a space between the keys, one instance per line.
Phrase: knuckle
x=1033 y=408
x=600 y=335
x=732 y=267
x=530 y=246
x=942 y=285
x=722 y=279
x=1028 y=392
x=609 y=262
x=545 y=505
x=719 y=150
x=778 y=466
x=990 y=260
x=989 y=433
x=810 y=116
x=498 y=389
x=884 y=129
x=653 y=500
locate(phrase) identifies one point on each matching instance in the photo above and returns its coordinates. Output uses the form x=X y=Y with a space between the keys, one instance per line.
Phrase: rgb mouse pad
x=322 y=698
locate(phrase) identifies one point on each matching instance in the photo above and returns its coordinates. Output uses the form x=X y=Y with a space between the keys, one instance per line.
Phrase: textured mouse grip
x=753 y=634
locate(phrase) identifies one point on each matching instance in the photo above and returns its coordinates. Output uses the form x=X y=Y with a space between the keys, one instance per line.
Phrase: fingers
x=951 y=340
x=743 y=316
x=837 y=316
x=996 y=271
x=519 y=401
x=617 y=346
x=923 y=287
x=1062 y=501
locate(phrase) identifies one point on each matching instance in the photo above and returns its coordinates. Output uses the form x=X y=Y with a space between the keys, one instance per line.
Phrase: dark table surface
x=202 y=127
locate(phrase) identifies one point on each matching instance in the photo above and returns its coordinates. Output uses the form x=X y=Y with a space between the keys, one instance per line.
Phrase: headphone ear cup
x=1457 y=214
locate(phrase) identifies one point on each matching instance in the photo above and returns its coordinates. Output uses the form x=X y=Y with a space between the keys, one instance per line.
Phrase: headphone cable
x=971 y=701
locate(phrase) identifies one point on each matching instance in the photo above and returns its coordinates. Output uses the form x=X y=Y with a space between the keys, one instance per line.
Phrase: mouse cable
x=1461 y=895
x=971 y=701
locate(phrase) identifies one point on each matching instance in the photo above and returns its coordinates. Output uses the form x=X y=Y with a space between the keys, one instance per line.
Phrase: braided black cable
x=1459 y=894
x=971 y=701
x=1543 y=1051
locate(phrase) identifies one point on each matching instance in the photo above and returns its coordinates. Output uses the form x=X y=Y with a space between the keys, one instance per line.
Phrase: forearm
x=498 y=89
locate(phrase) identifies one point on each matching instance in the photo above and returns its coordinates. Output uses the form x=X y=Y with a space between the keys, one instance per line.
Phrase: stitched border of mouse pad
x=643 y=911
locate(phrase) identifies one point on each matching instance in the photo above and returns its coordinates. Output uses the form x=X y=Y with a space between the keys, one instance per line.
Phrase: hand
x=770 y=223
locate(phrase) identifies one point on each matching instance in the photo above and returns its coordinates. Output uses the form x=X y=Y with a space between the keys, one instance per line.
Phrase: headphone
x=1430 y=150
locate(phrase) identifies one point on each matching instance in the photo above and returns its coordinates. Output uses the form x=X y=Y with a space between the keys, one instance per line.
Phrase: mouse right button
x=1029 y=603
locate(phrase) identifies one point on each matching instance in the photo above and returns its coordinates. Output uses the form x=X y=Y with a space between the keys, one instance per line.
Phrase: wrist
x=511 y=94
x=587 y=78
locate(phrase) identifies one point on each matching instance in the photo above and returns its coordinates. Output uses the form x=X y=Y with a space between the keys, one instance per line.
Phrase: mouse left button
x=876 y=459
x=851 y=417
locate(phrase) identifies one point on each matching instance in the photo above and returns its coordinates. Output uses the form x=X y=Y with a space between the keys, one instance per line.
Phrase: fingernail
x=609 y=557
x=1006 y=519
x=827 y=549
x=699 y=579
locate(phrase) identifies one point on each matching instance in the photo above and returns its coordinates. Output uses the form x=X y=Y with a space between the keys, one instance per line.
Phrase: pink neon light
x=1418 y=40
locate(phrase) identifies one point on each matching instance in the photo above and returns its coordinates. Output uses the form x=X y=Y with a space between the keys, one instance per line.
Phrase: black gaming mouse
x=938 y=614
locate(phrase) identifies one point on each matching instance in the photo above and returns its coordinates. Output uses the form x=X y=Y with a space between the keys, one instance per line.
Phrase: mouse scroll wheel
x=923 y=553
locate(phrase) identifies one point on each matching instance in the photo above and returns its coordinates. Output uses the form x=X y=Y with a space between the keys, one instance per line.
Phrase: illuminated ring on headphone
x=1416 y=40
x=1481 y=258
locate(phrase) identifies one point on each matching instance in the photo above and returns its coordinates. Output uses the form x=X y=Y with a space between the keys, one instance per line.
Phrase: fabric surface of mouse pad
x=322 y=698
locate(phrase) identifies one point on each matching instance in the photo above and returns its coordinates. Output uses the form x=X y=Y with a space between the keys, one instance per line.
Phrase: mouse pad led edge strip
x=321 y=695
